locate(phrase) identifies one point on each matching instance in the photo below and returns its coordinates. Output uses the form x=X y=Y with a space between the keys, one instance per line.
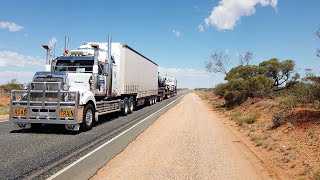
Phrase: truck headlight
x=65 y=87
x=71 y=97
x=24 y=96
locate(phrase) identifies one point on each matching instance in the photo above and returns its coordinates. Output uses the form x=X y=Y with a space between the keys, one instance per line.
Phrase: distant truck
x=167 y=87
x=77 y=87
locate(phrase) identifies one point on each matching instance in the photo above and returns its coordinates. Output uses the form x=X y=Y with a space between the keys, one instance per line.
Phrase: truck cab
x=68 y=91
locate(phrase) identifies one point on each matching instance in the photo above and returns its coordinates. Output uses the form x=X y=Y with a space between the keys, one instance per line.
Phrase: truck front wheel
x=125 y=109
x=131 y=106
x=88 y=117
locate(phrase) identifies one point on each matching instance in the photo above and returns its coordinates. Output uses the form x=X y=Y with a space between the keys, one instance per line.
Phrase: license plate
x=20 y=112
x=66 y=113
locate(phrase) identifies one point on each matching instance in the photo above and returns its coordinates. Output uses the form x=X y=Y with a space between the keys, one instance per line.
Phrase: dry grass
x=242 y=120
x=4 y=109
x=316 y=174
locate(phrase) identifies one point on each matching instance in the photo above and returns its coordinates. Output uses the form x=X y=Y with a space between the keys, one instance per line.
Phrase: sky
x=178 y=35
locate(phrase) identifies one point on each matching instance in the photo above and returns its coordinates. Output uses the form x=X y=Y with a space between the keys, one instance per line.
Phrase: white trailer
x=93 y=79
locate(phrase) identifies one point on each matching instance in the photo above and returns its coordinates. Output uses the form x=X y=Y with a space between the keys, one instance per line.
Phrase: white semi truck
x=167 y=87
x=92 y=80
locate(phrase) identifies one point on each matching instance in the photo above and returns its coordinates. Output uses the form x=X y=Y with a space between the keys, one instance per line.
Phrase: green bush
x=219 y=89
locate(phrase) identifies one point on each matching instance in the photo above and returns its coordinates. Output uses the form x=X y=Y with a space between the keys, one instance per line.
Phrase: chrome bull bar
x=42 y=104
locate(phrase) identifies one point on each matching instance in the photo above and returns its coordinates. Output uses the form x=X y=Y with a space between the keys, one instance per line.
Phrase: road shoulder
x=189 y=141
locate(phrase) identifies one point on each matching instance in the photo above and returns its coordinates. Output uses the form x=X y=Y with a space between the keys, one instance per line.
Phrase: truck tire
x=125 y=109
x=154 y=99
x=131 y=106
x=149 y=103
x=88 y=117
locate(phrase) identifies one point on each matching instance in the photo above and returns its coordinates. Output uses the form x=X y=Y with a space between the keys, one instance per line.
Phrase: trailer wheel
x=131 y=106
x=88 y=118
x=149 y=103
x=154 y=99
x=125 y=109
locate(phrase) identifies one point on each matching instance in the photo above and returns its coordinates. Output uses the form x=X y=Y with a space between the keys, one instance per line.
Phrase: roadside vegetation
x=276 y=108
x=5 y=90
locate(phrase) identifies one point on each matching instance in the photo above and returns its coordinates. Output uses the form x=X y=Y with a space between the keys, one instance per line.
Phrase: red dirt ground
x=291 y=150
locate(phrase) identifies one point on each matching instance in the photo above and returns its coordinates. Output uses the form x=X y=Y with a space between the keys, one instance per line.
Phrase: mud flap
x=72 y=127
x=23 y=126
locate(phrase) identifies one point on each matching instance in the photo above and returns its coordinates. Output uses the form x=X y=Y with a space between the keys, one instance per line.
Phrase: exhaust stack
x=66 y=46
x=95 y=67
x=108 y=68
x=48 y=61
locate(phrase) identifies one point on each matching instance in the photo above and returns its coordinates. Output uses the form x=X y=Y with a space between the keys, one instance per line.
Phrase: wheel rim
x=89 y=116
x=126 y=108
x=131 y=106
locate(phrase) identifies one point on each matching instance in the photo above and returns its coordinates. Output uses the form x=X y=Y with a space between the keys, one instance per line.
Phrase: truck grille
x=42 y=90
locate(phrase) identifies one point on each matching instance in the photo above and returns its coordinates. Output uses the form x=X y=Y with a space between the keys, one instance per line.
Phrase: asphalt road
x=30 y=154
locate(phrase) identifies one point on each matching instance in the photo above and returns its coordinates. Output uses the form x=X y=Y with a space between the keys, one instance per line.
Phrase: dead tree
x=245 y=58
x=219 y=62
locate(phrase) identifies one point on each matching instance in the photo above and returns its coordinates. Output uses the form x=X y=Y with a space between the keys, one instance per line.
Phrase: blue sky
x=178 y=35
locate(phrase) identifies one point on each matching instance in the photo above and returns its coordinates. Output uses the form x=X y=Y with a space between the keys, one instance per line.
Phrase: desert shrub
x=236 y=115
x=260 y=139
x=4 y=109
x=235 y=92
x=245 y=119
x=11 y=85
x=248 y=119
x=219 y=89
x=257 y=81
x=277 y=119
x=259 y=86
x=287 y=101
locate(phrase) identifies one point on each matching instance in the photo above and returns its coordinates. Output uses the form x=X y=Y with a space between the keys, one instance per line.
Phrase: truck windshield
x=74 y=66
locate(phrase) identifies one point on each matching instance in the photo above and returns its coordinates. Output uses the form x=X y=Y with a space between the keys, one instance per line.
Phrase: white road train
x=93 y=79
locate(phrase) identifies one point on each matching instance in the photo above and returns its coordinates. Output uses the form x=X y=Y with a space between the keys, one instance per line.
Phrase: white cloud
x=21 y=76
x=182 y=72
x=11 y=26
x=14 y=59
x=176 y=33
x=228 y=13
x=201 y=28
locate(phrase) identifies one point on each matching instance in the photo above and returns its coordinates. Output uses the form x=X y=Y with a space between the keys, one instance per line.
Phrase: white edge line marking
x=4 y=121
x=98 y=148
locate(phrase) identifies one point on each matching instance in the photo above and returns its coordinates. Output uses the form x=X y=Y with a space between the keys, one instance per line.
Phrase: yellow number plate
x=20 y=112
x=66 y=113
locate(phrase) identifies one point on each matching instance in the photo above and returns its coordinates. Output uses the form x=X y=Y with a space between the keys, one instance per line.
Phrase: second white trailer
x=133 y=73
